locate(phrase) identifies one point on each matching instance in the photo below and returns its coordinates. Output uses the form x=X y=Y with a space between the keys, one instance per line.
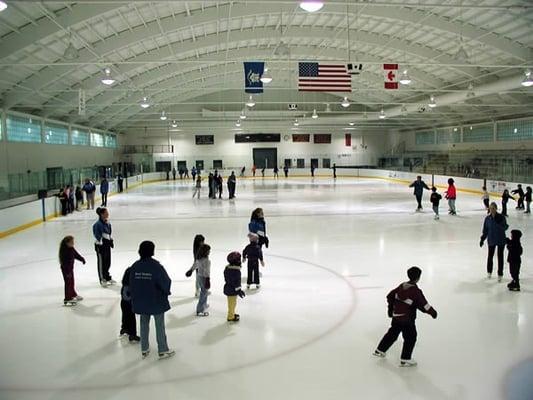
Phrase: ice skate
x=166 y=354
x=408 y=363
x=236 y=318
x=70 y=303
x=145 y=354
x=78 y=298
x=134 y=339
x=436 y=217
x=202 y=314
x=514 y=289
x=378 y=353
x=257 y=287
x=111 y=282
x=247 y=287
x=104 y=283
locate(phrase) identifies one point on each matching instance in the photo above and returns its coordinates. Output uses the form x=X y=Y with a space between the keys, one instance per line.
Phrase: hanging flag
x=390 y=72
x=252 y=76
x=81 y=102
x=316 y=77
x=354 y=69
x=348 y=139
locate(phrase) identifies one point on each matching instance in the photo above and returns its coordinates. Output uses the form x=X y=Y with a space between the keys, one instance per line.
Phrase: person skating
x=63 y=199
x=174 y=174
x=334 y=168
x=514 y=253
x=527 y=198
x=494 y=228
x=451 y=195
x=242 y=171
x=276 y=172
x=435 y=200
x=198 y=187
x=186 y=172
x=89 y=188
x=198 y=241
x=103 y=245
x=418 y=190
x=520 y=192
x=219 y=185
x=252 y=252
x=313 y=170
x=403 y=302
x=71 y=199
x=286 y=171
x=104 y=190
x=202 y=266
x=67 y=256
x=505 y=199
x=232 y=184
x=79 y=198
x=193 y=173
x=486 y=198
x=150 y=289
x=211 y=185
x=254 y=168
x=120 y=183
x=129 y=322
x=263 y=172
x=232 y=285
x=257 y=226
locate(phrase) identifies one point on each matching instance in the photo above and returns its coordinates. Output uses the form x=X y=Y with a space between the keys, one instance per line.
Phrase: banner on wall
x=390 y=74
x=252 y=76
x=348 y=139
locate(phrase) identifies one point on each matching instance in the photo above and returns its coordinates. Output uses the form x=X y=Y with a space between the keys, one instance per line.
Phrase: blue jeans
x=202 y=301
x=159 y=331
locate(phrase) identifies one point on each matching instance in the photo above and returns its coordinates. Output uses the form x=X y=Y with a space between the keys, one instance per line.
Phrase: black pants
x=103 y=256
x=253 y=274
x=286 y=174
x=520 y=203
x=120 y=186
x=64 y=206
x=515 y=273
x=492 y=249
x=104 y=199
x=408 y=331
x=231 y=190
x=419 y=200
x=486 y=203
x=129 y=323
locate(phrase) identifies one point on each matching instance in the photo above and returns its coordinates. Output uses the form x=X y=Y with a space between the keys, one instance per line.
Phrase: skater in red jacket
x=402 y=305
x=451 y=195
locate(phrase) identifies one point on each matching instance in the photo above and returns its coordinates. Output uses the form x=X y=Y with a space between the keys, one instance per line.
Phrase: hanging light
x=296 y=123
x=144 y=102
x=266 y=77
x=251 y=102
x=351 y=123
x=107 y=79
x=238 y=123
x=345 y=102
x=528 y=80
x=311 y=6
x=315 y=115
x=243 y=115
x=382 y=114
x=174 y=124
x=455 y=129
x=3 y=5
x=163 y=116
x=432 y=103
x=404 y=78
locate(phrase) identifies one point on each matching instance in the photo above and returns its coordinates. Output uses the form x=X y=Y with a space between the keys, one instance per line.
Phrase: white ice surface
x=336 y=250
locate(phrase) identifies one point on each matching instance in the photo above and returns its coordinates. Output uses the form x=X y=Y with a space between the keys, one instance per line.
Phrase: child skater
x=202 y=266
x=198 y=187
x=402 y=305
x=198 y=241
x=129 y=323
x=232 y=286
x=103 y=245
x=486 y=199
x=67 y=255
x=451 y=195
x=527 y=198
x=514 y=249
x=257 y=225
x=505 y=199
x=253 y=253
x=435 y=200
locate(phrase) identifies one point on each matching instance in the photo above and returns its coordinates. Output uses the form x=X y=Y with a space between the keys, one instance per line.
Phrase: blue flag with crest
x=252 y=76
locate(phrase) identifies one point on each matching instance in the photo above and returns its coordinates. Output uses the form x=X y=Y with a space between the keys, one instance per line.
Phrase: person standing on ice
x=103 y=245
x=520 y=192
x=451 y=195
x=232 y=184
x=494 y=228
x=257 y=226
x=419 y=185
x=403 y=302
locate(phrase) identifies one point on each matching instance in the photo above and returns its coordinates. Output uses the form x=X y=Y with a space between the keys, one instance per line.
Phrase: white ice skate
x=70 y=303
x=111 y=282
x=378 y=353
x=79 y=298
x=408 y=363
x=257 y=287
x=104 y=283
x=166 y=354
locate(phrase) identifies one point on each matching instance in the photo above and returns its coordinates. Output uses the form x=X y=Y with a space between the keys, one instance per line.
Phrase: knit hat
x=516 y=234
x=254 y=237
x=234 y=258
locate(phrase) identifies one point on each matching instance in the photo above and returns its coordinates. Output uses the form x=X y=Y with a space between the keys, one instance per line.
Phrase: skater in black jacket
x=129 y=323
x=403 y=302
x=505 y=199
x=419 y=185
x=520 y=192
x=253 y=253
x=527 y=198
x=514 y=259
x=435 y=200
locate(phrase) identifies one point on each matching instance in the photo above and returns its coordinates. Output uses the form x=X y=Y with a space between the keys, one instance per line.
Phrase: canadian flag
x=390 y=72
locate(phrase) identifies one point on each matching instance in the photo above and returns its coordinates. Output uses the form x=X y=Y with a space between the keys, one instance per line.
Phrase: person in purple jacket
x=67 y=256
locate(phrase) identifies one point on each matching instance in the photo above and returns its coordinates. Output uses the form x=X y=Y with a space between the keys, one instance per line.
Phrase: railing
x=147 y=149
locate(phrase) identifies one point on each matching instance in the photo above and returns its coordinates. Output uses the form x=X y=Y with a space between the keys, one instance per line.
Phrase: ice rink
x=336 y=249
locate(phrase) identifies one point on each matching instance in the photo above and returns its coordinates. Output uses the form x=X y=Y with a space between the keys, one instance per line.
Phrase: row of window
x=505 y=131
x=27 y=129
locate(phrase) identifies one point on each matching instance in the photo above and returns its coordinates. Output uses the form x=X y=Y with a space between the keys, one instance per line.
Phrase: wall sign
x=322 y=138
x=204 y=139
x=300 y=138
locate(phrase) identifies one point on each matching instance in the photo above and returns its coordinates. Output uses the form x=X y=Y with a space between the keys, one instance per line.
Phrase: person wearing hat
x=514 y=259
x=253 y=253
x=451 y=195
x=232 y=286
x=149 y=290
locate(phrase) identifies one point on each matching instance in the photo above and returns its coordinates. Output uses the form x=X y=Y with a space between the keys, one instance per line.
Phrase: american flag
x=316 y=77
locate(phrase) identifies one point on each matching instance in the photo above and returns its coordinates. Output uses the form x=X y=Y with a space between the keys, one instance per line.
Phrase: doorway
x=163 y=166
x=182 y=165
x=199 y=165
x=265 y=157
x=314 y=162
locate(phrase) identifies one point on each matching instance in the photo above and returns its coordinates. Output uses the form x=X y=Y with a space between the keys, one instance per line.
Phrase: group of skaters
x=146 y=286
x=72 y=198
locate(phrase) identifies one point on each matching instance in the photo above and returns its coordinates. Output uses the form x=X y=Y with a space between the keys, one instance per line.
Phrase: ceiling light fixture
x=296 y=123
x=315 y=115
x=163 y=116
x=144 y=102
x=107 y=79
x=311 y=6
x=174 y=124
x=382 y=114
x=432 y=103
x=251 y=102
x=243 y=115
x=266 y=77
x=345 y=102
x=528 y=80
x=404 y=78
x=351 y=123
x=238 y=123
x=3 y=5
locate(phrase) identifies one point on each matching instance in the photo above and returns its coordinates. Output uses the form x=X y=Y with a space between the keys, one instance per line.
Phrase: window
x=55 y=133
x=80 y=137
x=111 y=141
x=515 y=130
x=425 y=137
x=97 y=139
x=448 y=135
x=478 y=133
x=23 y=129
